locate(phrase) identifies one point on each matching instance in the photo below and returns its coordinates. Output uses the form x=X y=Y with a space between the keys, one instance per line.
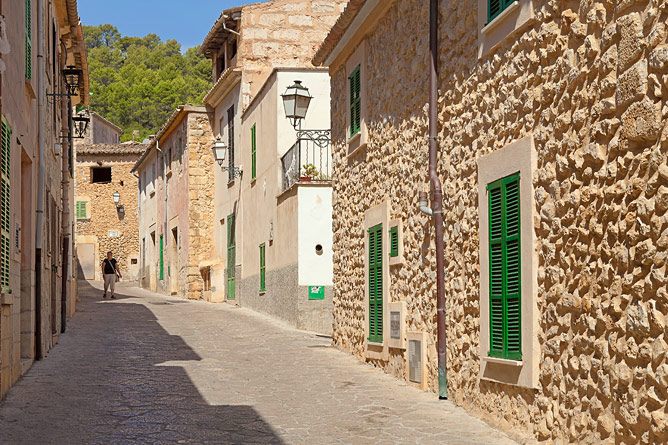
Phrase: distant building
x=102 y=224
x=256 y=52
x=176 y=212
x=101 y=131
x=37 y=293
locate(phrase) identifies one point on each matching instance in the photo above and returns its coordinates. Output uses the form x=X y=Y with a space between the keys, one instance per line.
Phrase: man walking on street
x=110 y=273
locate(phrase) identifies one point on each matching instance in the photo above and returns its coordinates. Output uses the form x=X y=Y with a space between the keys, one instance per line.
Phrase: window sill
x=262 y=292
x=373 y=343
x=504 y=361
x=499 y=18
x=253 y=181
x=230 y=183
x=354 y=138
x=355 y=144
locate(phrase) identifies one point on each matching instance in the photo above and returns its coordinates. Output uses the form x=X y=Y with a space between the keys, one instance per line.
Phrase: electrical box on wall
x=397 y=338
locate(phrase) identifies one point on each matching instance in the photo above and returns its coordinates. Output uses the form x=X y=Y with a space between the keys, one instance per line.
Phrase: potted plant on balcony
x=309 y=173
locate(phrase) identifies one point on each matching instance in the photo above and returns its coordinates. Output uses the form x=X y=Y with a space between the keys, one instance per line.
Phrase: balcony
x=308 y=160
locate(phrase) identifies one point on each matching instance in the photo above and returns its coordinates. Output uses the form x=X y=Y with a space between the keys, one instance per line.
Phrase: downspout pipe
x=40 y=184
x=437 y=199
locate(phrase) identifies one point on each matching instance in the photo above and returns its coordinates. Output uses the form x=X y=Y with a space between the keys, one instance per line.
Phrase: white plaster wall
x=315 y=227
x=318 y=116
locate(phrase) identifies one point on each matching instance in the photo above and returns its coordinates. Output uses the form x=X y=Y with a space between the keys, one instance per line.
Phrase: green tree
x=137 y=82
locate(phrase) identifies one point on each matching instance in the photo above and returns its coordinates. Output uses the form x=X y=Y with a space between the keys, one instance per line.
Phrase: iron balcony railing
x=308 y=160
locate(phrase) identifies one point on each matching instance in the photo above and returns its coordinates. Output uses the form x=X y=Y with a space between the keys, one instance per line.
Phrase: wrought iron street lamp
x=72 y=77
x=219 y=150
x=81 y=122
x=296 y=101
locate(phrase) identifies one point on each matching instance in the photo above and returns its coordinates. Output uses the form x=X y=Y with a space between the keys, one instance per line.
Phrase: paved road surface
x=147 y=368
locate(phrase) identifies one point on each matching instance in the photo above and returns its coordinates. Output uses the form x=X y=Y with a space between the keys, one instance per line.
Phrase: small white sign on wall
x=114 y=233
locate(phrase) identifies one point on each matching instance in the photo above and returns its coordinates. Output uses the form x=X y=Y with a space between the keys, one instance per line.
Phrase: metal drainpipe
x=40 y=187
x=437 y=199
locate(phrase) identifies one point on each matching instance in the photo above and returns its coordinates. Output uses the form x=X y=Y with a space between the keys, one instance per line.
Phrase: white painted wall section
x=315 y=227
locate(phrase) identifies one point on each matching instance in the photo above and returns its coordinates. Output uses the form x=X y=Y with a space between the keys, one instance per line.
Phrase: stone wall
x=201 y=197
x=282 y=33
x=104 y=218
x=588 y=80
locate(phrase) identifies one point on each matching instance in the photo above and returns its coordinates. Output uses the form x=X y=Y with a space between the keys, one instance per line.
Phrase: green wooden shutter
x=28 y=23
x=262 y=268
x=355 y=101
x=231 y=257
x=81 y=209
x=253 y=156
x=505 y=268
x=394 y=241
x=496 y=7
x=162 y=261
x=5 y=206
x=376 y=284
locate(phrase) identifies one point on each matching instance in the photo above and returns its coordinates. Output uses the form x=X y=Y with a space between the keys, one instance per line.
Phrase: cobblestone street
x=147 y=368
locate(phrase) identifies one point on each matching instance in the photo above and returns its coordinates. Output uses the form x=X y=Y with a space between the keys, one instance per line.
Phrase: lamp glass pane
x=289 y=105
x=301 y=106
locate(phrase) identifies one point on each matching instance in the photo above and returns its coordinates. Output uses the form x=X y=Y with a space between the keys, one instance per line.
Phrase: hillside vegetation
x=137 y=82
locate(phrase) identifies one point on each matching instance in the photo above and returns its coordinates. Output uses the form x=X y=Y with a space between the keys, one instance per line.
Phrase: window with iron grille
x=355 y=101
x=28 y=46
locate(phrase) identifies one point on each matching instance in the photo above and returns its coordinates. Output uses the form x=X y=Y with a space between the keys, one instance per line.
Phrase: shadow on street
x=106 y=383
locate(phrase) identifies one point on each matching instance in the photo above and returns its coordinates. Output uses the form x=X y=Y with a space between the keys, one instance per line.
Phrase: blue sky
x=188 y=22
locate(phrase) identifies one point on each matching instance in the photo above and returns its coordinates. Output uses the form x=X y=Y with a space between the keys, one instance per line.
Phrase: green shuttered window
x=253 y=156
x=505 y=268
x=81 y=209
x=5 y=206
x=28 y=23
x=496 y=7
x=162 y=260
x=394 y=241
x=376 y=284
x=355 y=101
x=262 y=268
x=231 y=257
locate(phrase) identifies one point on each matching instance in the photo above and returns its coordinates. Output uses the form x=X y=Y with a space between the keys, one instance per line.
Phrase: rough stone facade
x=104 y=225
x=186 y=215
x=587 y=81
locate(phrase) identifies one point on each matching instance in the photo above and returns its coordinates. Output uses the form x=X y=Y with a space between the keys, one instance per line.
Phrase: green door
x=231 y=257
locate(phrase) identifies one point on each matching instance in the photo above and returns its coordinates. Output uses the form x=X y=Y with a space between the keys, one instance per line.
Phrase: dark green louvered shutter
x=355 y=101
x=162 y=260
x=376 y=284
x=262 y=268
x=496 y=7
x=5 y=206
x=28 y=23
x=394 y=241
x=231 y=257
x=505 y=268
x=253 y=156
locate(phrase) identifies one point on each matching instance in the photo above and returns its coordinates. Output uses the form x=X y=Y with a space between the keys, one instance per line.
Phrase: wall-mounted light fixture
x=219 y=150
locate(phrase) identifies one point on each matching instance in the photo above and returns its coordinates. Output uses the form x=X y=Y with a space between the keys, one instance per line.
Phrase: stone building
x=175 y=205
x=552 y=116
x=246 y=44
x=101 y=131
x=103 y=225
x=38 y=39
